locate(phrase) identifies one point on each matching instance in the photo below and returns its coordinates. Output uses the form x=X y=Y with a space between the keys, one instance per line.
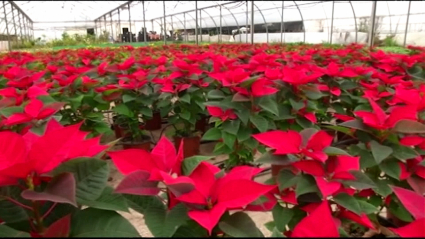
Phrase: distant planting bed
x=342 y=129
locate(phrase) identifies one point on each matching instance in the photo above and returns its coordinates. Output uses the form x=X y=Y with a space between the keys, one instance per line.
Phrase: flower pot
x=190 y=146
x=146 y=145
x=201 y=124
x=155 y=123
x=120 y=131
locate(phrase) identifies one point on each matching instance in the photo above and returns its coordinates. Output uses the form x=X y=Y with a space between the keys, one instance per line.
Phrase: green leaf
x=259 y=122
x=282 y=216
x=6 y=231
x=403 y=153
x=286 y=179
x=240 y=224
x=91 y=176
x=243 y=116
x=185 y=115
x=296 y=105
x=164 y=223
x=244 y=134
x=76 y=101
x=362 y=181
x=268 y=104
x=342 y=232
x=93 y=222
x=191 y=229
x=277 y=233
x=122 y=109
x=108 y=200
x=398 y=210
x=348 y=202
x=6 y=112
x=142 y=203
x=391 y=168
x=215 y=94
x=366 y=207
x=228 y=139
x=11 y=213
x=270 y=225
x=306 y=184
x=212 y=134
x=127 y=98
x=382 y=187
x=189 y=164
x=366 y=159
x=239 y=98
x=185 y=98
x=314 y=95
x=354 y=124
x=340 y=129
x=332 y=151
x=380 y=152
x=409 y=127
x=145 y=111
x=231 y=126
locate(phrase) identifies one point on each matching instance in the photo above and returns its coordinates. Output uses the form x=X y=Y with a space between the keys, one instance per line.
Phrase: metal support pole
x=104 y=19
x=332 y=22
x=144 y=23
x=252 y=22
x=119 y=24
x=165 y=23
x=95 y=27
x=200 y=23
x=20 y=27
x=246 y=33
x=13 y=19
x=112 y=28
x=281 y=24
x=7 y=27
x=25 y=28
x=407 y=24
x=184 y=26
x=172 y=28
x=196 y=24
x=372 y=23
x=221 y=28
x=129 y=20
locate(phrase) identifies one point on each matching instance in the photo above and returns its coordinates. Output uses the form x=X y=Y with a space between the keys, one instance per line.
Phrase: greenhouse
x=212 y=119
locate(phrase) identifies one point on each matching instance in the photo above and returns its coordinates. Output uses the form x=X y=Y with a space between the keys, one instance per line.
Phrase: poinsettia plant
x=50 y=183
x=197 y=196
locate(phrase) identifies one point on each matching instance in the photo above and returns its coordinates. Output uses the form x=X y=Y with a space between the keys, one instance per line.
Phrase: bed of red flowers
x=342 y=128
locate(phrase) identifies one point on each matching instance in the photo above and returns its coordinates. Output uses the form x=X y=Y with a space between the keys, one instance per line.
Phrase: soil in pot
x=155 y=123
x=144 y=144
x=190 y=146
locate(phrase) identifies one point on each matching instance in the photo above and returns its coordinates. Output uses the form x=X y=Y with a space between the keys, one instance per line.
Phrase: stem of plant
x=37 y=217
x=18 y=203
x=48 y=211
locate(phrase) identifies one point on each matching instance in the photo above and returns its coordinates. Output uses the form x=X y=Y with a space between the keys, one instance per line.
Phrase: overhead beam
x=199 y=9
x=20 y=10
x=113 y=10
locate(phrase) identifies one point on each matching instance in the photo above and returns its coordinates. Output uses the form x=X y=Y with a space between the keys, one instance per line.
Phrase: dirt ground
x=260 y=218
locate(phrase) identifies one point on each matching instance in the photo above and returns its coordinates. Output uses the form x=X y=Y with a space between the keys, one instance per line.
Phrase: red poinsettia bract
x=29 y=156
